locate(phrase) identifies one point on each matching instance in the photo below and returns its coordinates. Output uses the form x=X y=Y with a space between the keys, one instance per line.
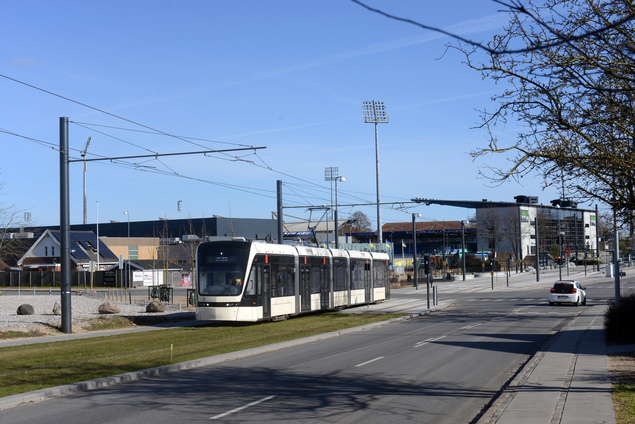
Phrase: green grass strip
x=624 y=403
x=38 y=366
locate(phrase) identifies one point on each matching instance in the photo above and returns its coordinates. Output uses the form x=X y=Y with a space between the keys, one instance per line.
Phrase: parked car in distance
x=567 y=291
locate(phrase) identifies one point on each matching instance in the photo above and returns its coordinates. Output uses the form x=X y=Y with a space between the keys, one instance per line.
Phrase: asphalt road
x=439 y=368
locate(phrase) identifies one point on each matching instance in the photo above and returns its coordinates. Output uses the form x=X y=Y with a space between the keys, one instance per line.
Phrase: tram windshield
x=221 y=269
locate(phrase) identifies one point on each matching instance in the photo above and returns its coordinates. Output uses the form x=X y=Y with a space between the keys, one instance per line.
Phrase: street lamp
x=414 y=250
x=128 y=272
x=375 y=112
x=337 y=227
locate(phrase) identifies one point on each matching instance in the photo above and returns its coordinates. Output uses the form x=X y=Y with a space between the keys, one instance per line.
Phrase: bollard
x=435 y=299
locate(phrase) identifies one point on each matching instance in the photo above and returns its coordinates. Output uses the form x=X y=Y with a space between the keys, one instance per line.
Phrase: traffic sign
x=566 y=250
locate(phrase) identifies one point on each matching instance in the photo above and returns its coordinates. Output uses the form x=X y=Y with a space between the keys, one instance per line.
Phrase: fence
x=100 y=279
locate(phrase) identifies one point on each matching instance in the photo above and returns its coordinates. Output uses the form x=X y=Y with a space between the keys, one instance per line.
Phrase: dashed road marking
x=224 y=414
x=426 y=341
x=368 y=362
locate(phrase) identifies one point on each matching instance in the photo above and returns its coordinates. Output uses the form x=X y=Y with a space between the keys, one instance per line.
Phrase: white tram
x=250 y=281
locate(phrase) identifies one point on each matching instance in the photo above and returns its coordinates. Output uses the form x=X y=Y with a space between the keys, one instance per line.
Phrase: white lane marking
x=426 y=341
x=215 y=417
x=368 y=362
x=467 y=327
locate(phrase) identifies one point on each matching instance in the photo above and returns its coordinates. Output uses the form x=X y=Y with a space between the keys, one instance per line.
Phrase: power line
x=97 y=109
x=151 y=132
x=154 y=131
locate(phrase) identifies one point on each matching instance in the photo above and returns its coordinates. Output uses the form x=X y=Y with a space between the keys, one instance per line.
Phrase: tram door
x=265 y=272
x=305 y=287
x=367 y=283
x=325 y=288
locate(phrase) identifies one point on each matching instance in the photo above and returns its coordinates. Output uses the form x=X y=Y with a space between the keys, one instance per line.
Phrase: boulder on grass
x=108 y=308
x=155 y=306
x=57 y=308
x=25 y=309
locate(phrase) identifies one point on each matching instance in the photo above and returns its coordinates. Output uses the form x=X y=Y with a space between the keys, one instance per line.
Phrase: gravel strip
x=83 y=308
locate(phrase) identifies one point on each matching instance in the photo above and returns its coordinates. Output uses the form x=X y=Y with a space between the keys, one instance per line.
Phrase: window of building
x=133 y=253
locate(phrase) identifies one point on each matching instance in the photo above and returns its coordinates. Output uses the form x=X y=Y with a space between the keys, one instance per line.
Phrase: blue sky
x=288 y=75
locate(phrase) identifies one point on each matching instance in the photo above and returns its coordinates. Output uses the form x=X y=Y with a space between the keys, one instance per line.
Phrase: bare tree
x=360 y=221
x=490 y=228
x=574 y=100
x=163 y=254
x=513 y=232
x=517 y=10
x=12 y=247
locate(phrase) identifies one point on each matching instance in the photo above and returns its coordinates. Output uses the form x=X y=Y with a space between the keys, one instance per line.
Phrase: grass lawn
x=622 y=368
x=37 y=366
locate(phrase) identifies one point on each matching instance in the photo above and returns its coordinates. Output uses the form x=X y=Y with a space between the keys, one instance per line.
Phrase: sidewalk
x=567 y=382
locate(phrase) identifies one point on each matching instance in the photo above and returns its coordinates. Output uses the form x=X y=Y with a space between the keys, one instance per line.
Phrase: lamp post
x=375 y=112
x=538 y=249
x=415 y=268
x=337 y=227
x=463 y=244
x=331 y=173
x=128 y=272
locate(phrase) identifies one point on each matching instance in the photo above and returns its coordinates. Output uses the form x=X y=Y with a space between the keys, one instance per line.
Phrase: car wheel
x=550 y=303
x=577 y=302
x=584 y=301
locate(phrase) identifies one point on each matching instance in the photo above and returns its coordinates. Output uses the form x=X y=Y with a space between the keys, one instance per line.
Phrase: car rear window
x=563 y=287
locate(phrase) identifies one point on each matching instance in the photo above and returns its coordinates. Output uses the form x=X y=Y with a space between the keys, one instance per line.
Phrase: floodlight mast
x=330 y=173
x=83 y=154
x=375 y=112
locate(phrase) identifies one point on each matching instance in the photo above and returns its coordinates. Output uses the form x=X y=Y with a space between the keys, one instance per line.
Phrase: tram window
x=221 y=270
x=315 y=279
x=283 y=271
x=339 y=273
x=220 y=283
x=251 y=288
x=357 y=275
x=379 y=274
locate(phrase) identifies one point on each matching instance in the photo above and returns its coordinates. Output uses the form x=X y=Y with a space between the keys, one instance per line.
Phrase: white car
x=567 y=291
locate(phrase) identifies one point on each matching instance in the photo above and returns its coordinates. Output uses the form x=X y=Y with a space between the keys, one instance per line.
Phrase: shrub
x=618 y=322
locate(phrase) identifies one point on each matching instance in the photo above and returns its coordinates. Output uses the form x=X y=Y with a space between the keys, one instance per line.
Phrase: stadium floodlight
x=330 y=174
x=375 y=113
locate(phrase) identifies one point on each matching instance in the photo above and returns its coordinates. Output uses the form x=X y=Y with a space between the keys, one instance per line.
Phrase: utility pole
x=65 y=238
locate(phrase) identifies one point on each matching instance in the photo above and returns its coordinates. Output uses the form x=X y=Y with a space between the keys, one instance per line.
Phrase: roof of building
x=421 y=226
x=83 y=248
